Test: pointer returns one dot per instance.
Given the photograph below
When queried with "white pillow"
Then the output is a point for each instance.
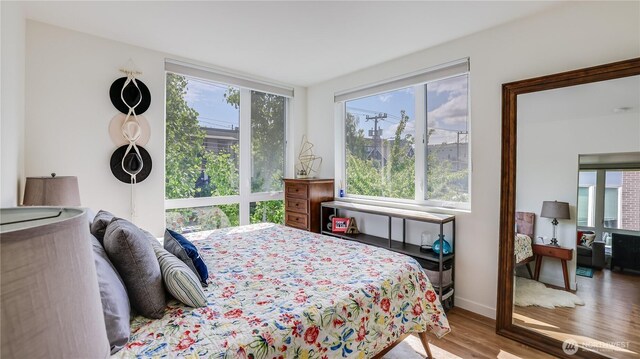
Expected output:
(180, 281)
(587, 239)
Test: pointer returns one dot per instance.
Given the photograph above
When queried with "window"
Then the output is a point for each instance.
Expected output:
(380, 145)
(622, 200)
(407, 140)
(586, 198)
(609, 201)
(225, 150)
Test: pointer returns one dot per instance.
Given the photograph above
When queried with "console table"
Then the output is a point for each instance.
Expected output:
(445, 290)
(561, 253)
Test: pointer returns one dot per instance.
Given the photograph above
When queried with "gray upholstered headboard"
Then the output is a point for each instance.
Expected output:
(525, 223)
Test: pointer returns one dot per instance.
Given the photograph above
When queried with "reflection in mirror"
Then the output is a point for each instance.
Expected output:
(578, 153)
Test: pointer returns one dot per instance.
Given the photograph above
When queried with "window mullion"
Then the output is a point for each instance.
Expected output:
(600, 188)
(245, 155)
(340, 156)
(420, 144)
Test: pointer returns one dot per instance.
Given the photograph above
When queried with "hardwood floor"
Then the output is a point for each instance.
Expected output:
(474, 336)
(611, 315)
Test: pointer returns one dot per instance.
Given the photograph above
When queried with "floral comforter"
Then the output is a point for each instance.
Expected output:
(278, 292)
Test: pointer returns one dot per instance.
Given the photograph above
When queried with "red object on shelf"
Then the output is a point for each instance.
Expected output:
(339, 225)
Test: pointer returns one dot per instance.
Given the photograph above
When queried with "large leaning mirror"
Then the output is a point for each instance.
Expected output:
(569, 281)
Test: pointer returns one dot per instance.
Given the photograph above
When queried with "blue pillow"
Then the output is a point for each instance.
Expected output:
(187, 252)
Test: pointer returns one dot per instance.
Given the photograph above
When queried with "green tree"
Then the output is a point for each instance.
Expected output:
(401, 166)
(396, 177)
(184, 141)
(268, 113)
(185, 158)
(356, 143)
(443, 183)
(267, 141)
(268, 211)
(224, 178)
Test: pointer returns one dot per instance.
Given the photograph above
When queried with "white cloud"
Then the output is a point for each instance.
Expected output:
(385, 97)
(455, 86)
(199, 91)
(390, 132)
(456, 107)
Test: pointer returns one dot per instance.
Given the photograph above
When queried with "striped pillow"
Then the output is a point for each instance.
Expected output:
(180, 281)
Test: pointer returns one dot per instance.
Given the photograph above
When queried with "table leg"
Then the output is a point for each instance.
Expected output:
(566, 275)
(538, 265)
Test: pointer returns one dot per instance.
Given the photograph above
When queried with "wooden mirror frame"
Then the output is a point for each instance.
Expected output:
(510, 92)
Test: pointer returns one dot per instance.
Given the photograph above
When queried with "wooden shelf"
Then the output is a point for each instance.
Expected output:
(411, 250)
(393, 212)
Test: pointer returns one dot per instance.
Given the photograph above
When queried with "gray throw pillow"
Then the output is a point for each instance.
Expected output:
(155, 243)
(100, 223)
(133, 256)
(115, 303)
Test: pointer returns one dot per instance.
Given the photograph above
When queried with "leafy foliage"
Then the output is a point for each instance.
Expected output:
(367, 175)
(394, 177)
(184, 140)
(187, 159)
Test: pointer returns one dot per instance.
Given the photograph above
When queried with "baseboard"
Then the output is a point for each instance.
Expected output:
(476, 307)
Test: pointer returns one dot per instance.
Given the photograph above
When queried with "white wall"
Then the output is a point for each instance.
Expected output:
(68, 110)
(571, 36)
(545, 173)
(12, 92)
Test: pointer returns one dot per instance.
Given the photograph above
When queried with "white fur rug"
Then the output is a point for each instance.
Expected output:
(532, 293)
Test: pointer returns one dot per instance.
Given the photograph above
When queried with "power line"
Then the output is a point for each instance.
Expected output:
(363, 111)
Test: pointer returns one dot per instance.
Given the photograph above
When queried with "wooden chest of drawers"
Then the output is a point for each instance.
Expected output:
(302, 198)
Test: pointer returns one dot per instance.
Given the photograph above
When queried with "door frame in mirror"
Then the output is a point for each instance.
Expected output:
(510, 92)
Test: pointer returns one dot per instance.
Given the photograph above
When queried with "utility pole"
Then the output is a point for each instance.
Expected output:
(377, 133)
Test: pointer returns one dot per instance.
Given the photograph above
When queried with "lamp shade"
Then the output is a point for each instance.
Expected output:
(51, 191)
(555, 209)
(50, 298)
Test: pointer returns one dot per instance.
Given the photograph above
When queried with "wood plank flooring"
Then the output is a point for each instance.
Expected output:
(611, 314)
(474, 336)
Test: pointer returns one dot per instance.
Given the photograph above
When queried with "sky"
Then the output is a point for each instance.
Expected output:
(447, 104)
(208, 100)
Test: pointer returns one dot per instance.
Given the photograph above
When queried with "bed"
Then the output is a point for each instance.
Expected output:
(523, 250)
(279, 292)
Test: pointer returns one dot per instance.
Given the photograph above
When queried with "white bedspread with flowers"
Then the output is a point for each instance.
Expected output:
(278, 292)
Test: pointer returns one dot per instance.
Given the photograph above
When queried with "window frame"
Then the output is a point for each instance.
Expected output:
(599, 189)
(420, 92)
(245, 196)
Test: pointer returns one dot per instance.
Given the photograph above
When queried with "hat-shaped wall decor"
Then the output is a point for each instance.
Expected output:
(129, 130)
(127, 162)
(117, 127)
(130, 163)
(129, 92)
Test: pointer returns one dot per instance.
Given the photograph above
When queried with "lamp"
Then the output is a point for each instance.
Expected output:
(51, 191)
(556, 210)
(49, 295)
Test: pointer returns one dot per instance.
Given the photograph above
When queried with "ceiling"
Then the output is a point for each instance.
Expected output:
(294, 42)
(593, 100)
